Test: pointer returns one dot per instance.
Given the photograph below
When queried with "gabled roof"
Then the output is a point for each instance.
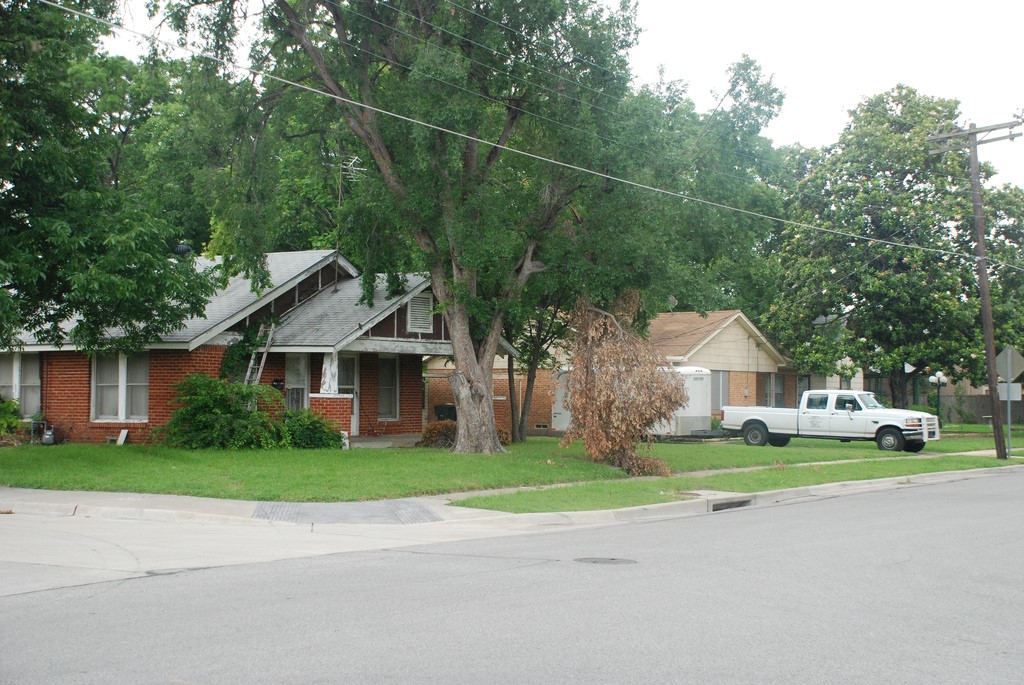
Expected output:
(680, 335)
(234, 302)
(237, 300)
(333, 318)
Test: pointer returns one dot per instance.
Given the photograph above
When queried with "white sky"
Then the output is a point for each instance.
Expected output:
(827, 56)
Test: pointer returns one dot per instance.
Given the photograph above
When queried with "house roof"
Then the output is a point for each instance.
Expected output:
(333, 318)
(679, 335)
(237, 300)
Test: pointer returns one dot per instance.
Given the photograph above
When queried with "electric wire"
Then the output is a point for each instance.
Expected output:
(565, 165)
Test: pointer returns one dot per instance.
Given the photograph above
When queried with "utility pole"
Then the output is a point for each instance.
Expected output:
(981, 261)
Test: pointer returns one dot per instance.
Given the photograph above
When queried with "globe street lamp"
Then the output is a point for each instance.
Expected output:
(938, 379)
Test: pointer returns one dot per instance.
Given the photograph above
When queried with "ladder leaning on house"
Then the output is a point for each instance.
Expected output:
(254, 372)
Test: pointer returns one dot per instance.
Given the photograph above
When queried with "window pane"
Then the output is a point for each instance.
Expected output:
(138, 401)
(30, 401)
(387, 388)
(6, 376)
(106, 402)
(106, 370)
(346, 372)
(138, 369)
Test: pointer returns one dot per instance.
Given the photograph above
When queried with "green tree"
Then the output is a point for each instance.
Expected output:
(1006, 229)
(886, 281)
(542, 77)
(73, 246)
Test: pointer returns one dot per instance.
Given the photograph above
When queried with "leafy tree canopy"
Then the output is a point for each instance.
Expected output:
(73, 245)
(888, 280)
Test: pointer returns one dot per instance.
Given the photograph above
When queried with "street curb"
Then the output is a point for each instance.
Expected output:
(703, 502)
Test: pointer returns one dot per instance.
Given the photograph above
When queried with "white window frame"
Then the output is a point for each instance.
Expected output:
(395, 360)
(419, 314)
(122, 391)
(17, 368)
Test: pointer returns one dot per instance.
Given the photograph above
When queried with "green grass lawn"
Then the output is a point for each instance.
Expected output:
(636, 492)
(368, 474)
(293, 475)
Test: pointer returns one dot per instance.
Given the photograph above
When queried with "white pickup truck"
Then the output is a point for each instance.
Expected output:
(837, 415)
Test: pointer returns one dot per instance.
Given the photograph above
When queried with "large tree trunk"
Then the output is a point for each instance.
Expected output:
(473, 385)
(898, 382)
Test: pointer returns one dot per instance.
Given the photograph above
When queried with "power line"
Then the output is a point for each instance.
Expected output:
(565, 165)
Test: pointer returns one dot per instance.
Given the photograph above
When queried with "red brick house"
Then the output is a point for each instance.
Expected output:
(358, 366)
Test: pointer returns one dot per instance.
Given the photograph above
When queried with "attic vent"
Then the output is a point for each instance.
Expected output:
(421, 313)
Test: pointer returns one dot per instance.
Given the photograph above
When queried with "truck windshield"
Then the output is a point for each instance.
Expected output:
(869, 401)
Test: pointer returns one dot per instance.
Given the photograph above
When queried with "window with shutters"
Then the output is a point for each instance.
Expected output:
(421, 314)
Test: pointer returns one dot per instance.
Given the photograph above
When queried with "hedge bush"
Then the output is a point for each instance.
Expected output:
(215, 413)
(305, 430)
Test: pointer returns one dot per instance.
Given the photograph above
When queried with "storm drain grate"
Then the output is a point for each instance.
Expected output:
(604, 560)
(722, 505)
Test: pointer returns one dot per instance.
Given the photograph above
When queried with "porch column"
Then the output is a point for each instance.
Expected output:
(329, 377)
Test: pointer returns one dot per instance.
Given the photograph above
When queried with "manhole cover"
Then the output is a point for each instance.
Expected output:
(604, 560)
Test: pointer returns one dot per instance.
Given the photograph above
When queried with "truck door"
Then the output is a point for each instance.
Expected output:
(847, 418)
(814, 414)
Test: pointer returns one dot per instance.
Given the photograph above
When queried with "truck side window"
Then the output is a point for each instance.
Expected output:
(817, 401)
(846, 403)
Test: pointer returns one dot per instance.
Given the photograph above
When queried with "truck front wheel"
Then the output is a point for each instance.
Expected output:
(890, 440)
(914, 447)
(755, 433)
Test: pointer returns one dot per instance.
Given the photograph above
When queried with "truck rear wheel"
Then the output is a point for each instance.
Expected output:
(755, 433)
(778, 440)
(890, 440)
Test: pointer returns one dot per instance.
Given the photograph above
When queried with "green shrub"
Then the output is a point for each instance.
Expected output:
(921, 407)
(217, 414)
(304, 429)
(10, 416)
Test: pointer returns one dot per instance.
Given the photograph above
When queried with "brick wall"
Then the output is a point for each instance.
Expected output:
(336, 409)
(439, 391)
(410, 397)
(742, 388)
(67, 392)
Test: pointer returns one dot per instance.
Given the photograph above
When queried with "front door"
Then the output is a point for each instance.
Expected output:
(348, 384)
(847, 419)
(296, 381)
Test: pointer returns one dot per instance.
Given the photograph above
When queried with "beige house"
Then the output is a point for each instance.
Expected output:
(746, 368)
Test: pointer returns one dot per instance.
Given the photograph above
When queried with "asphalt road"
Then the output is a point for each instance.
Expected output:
(912, 585)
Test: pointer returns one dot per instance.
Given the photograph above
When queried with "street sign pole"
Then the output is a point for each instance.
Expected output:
(1013, 366)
